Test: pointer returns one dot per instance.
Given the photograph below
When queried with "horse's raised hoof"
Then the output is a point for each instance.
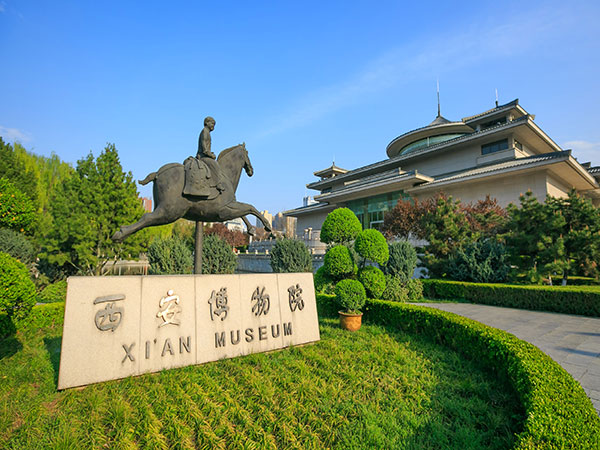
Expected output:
(251, 231)
(118, 236)
(268, 229)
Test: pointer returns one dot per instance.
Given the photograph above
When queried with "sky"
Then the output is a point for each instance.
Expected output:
(303, 84)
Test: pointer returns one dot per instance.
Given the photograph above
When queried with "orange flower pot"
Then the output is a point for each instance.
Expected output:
(350, 322)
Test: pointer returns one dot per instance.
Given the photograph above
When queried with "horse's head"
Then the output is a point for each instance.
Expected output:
(247, 164)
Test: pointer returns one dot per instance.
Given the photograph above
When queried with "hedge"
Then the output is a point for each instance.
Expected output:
(41, 316)
(558, 414)
(584, 300)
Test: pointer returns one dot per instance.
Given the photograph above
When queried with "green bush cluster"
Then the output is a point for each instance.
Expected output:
(371, 245)
(584, 300)
(17, 291)
(373, 281)
(340, 226)
(290, 255)
(17, 211)
(557, 412)
(55, 292)
(415, 289)
(217, 256)
(323, 283)
(395, 289)
(483, 261)
(170, 256)
(351, 295)
(17, 246)
(338, 263)
(402, 262)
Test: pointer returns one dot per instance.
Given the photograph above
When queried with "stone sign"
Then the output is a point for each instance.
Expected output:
(116, 327)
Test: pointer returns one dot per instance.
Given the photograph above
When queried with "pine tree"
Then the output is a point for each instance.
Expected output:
(87, 208)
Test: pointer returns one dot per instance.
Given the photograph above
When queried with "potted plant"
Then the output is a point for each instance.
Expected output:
(351, 296)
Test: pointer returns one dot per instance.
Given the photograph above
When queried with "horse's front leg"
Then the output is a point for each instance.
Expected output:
(239, 209)
(251, 230)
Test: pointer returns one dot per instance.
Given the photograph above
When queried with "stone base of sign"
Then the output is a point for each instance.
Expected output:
(116, 327)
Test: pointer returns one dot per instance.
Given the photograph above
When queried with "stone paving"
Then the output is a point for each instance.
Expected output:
(572, 341)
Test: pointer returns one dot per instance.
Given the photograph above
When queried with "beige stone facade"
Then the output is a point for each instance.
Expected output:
(500, 152)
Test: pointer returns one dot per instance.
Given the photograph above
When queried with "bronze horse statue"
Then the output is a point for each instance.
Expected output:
(171, 204)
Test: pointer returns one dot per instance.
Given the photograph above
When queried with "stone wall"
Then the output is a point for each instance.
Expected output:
(261, 263)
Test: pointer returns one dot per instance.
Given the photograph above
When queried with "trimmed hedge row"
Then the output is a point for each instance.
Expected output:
(558, 414)
(584, 300)
(41, 316)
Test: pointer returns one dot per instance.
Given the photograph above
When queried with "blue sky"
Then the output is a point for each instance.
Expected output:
(301, 83)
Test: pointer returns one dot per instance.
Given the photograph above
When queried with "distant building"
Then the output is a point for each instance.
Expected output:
(147, 204)
(285, 224)
(235, 224)
(267, 216)
(500, 152)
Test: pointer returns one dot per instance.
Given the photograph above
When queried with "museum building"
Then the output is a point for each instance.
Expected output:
(500, 152)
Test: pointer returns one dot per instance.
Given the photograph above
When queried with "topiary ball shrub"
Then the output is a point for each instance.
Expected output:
(373, 280)
(290, 255)
(371, 245)
(402, 262)
(17, 246)
(217, 256)
(415, 289)
(341, 225)
(338, 262)
(170, 256)
(17, 291)
(351, 295)
(395, 290)
(323, 283)
(55, 292)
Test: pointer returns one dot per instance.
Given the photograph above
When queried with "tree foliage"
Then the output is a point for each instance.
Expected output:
(17, 211)
(217, 256)
(403, 260)
(373, 281)
(483, 261)
(290, 255)
(17, 246)
(87, 208)
(235, 238)
(351, 295)
(372, 246)
(17, 291)
(340, 226)
(338, 263)
(170, 256)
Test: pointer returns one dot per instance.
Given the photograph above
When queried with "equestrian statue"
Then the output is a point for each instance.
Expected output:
(202, 189)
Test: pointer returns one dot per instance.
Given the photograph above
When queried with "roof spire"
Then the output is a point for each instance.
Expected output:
(496, 97)
(438, 96)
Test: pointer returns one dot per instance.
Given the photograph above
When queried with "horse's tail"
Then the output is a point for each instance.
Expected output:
(148, 179)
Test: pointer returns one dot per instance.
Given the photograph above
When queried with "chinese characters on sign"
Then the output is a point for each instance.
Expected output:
(110, 317)
(295, 298)
(218, 304)
(263, 302)
(169, 308)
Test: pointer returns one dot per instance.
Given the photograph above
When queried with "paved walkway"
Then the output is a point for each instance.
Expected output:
(572, 341)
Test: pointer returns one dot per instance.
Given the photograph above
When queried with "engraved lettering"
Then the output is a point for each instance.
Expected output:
(167, 347)
(263, 302)
(237, 339)
(187, 344)
(262, 333)
(218, 304)
(249, 334)
(110, 317)
(295, 298)
(287, 329)
(128, 353)
(273, 331)
(220, 339)
(169, 308)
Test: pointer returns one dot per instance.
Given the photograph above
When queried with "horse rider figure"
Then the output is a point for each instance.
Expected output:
(203, 176)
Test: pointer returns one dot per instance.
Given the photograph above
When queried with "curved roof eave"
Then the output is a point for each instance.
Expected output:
(394, 147)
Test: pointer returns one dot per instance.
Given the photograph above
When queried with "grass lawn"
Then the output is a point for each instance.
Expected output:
(377, 388)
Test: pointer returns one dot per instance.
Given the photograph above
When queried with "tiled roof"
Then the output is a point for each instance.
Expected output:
(500, 166)
(515, 102)
(594, 170)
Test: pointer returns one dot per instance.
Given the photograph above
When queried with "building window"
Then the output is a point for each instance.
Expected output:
(494, 147)
(370, 211)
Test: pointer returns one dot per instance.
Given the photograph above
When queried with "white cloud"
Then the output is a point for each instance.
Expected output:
(454, 50)
(13, 134)
(585, 151)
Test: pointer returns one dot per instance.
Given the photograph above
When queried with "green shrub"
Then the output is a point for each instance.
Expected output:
(55, 292)
(17, 246)
(341, 225)
(415, 289)
(584, 300)
(170, 256)
(217, 256)
(17, 211)
(395, 290)
(371, 245)
(290, 255)
(403, 261)
(351, 295)
(557, 412)
(17, 291)
(7, 327)
(373, 280)
(323, 283)
(483, 261)
(338, 262)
